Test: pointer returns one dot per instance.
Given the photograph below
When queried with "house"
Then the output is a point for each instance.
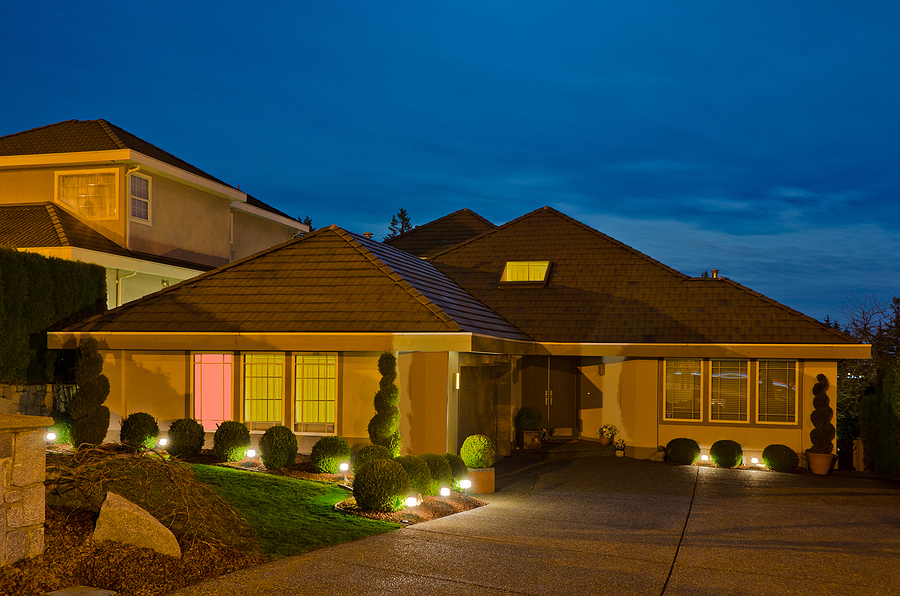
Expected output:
(541, 311)
(89, 190)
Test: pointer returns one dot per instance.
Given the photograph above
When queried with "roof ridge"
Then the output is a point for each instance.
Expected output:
(354, 241)
(106, 126)
(57, 224)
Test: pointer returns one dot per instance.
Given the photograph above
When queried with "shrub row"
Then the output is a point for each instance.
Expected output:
(728, 454)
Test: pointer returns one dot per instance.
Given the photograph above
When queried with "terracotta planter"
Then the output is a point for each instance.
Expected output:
(820, 463)
(605, 441)
(482, 480)
(531, 439)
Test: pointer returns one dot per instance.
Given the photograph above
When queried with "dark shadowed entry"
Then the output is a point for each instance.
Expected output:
(477, 402)
(549, 384)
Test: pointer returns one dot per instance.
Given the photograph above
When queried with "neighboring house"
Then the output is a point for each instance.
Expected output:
(431, 238)
(541, 311)
(89, 190)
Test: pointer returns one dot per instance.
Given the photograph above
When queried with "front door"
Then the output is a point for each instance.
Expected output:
(549, 384)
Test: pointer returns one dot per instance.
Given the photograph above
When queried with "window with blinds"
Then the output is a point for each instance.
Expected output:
(263, 390)
(728, 390)
(525, 271)
(682, 390)
(92, 194)
(315, 381)
(777, 398)
(140, 198)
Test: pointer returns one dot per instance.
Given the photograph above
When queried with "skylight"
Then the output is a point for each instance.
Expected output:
(526, 272)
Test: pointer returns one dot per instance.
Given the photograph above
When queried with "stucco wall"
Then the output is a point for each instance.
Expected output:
(423, 380)
(359, 382)
(252, 234)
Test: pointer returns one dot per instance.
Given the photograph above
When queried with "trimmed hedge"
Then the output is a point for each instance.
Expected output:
(381, 485)
(418, 472)
(186, 438)
(38, 294)
(780, 458)
(682, 451)
(369, 453)
(328, 453)
(726, 453)
(477, 451)
(440, 472)
(458, 470)
(231, 441)
(278, 447)
(528, 418)
(139, 430)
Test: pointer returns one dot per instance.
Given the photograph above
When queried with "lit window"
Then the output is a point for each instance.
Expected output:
(140, 198)
(728, 391)
(212, 389)
(263, 390)
(526, 272)
(777, 392)
(92, 194)
(315, 393)
(682, 390)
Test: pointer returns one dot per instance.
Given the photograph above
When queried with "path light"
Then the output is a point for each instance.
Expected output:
(445, 492)
(344, 467)
(251, 453)
(51, 436)
(704, 457)
(164, 442)
(411, 501)
(465, 485)
(754, 460)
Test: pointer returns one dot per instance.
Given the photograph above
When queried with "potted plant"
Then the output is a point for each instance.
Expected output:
(820, 455)
(528, 425)
(607, 433)
(477, 453)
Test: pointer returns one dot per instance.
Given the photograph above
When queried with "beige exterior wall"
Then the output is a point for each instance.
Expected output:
(424, 380)
(252, 234)
(358, 384)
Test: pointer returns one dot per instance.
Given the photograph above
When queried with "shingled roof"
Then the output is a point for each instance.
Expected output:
(328, 281)
(45, 225)
(433, 237)
(603, 291)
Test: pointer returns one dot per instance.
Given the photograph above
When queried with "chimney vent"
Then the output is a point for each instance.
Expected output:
(368, 235)
(715, 273)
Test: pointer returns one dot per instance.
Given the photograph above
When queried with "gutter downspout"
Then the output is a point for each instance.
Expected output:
(119, 285)
(128, 208)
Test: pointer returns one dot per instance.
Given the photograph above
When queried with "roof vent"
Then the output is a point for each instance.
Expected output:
(715, 273)
(368, 235)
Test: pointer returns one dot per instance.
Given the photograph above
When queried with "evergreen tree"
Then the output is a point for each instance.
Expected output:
(307, 221)
(90, 418)
(384, 428)
(400, 223)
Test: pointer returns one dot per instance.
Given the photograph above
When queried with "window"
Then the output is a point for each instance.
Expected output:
(212, 389)
(140, 198)
(728, 391)
(263, 390)
(682, 390)
(92, 194)
(526, 273)
(314, 393)
(777, 397)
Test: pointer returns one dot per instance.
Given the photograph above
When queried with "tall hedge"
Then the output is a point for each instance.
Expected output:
(39, 294)
(879, 424)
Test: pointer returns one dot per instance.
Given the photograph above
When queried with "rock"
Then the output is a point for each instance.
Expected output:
(660, 454)
(123, 521)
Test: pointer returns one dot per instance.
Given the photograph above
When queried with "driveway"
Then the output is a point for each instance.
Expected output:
(572, 524)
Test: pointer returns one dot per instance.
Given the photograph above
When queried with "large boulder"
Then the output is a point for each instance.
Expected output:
(123, 521)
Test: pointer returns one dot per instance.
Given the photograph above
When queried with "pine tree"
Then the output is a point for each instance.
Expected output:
(307, 221)
(384, 427)
(400, 223)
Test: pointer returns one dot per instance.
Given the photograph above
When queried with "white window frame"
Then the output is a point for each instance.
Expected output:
(668, 363)
(314, 428)
(148, 200)
(278, 415)
(747, 392)
(78, 209)
(759, 380)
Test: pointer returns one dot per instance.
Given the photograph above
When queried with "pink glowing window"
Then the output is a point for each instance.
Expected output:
(212, 389)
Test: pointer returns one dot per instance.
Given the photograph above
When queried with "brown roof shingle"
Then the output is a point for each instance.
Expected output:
(435, 236)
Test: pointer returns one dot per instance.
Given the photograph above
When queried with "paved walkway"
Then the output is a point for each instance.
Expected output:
(577, 523)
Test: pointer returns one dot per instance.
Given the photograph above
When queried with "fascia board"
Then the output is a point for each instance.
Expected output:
(160, 167)
(660, 350)
(74, 158)
(255, 211)
(111, 261)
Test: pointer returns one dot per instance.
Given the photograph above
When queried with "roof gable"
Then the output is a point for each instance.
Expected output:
(440, 234)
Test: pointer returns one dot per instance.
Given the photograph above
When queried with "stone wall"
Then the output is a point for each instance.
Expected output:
(23, 467)
(32, 400)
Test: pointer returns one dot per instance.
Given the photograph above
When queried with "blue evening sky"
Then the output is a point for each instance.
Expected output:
(758, 138)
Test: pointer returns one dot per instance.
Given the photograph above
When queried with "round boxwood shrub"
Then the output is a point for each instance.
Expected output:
(418, 472)
(381, 485)
(231, 441)
(440, 472)
(682, 451)
(62, 428)
(726, 453)
(458, 469)
(139, 430)
(278, 447)
(186, 437)
(528, 418)
(328, 453)
(477, 451)
(369, 453)
(780, 458)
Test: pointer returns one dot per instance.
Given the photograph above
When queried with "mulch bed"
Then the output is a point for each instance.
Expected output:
(71, 558)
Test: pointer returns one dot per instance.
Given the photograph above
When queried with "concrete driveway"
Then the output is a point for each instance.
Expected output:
(577, 523)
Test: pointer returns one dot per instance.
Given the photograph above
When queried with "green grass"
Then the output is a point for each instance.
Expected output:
(290, 516)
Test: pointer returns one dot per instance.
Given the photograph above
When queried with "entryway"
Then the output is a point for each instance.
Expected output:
(549, 384)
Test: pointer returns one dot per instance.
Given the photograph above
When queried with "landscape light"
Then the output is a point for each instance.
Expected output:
(344, 466)
(51, 436)
(411, 501)
(465, 484)
(163, 442)
(251, 453)
(445, 492)
(754, 460)
(704, 457)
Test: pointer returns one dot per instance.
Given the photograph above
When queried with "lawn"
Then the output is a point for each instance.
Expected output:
(289, 515)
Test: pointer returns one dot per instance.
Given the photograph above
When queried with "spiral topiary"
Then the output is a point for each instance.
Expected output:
(328, 453)
(139, 430)
(369, 453)
(682, 451)
(726, 453)
(528, 418)
(477, 451)
(418, 472)
(780, 458)
(278, 447)
(186, 438)
(231, 441)
(823, 433)
(384, 427)
(441, 475)
(458, 470)
(381, 485)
